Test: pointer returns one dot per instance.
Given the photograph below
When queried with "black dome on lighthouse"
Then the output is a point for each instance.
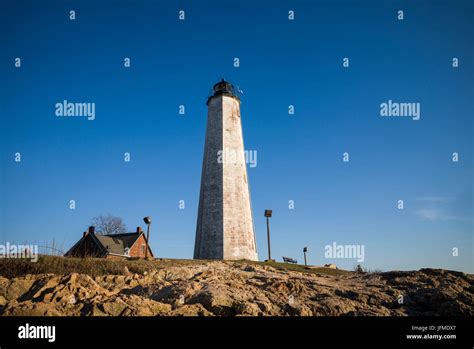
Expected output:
(223, 87)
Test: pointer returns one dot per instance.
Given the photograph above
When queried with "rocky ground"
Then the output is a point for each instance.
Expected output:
(218, 288)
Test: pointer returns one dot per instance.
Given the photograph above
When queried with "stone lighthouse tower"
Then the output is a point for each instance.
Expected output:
(225, 223)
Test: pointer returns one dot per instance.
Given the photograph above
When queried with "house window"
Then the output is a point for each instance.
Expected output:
(143, 248)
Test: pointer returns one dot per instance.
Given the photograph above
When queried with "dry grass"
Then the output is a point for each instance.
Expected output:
(91, 266)
(46, 264)
(302, 269)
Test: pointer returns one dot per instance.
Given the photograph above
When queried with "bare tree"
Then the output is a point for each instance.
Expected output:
(108, 224)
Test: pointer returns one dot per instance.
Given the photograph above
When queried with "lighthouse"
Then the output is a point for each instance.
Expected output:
(225, 223)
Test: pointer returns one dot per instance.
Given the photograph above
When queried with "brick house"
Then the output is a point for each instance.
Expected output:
(128, 245)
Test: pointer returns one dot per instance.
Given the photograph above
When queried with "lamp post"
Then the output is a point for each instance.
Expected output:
(304, 251)
(268, 214)
(147, 221)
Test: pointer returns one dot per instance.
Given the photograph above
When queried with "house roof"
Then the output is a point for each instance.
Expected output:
(117, 243)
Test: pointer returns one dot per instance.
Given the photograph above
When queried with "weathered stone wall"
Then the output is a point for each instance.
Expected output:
(209, 229)
(239, 242)
(225, 224)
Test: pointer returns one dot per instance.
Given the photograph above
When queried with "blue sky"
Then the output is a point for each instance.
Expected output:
(299, 157)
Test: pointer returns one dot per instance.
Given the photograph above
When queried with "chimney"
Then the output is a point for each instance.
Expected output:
(139, 230)
(91, 229)
(84, 234)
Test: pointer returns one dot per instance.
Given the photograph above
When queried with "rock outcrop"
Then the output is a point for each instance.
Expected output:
(221, 288)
